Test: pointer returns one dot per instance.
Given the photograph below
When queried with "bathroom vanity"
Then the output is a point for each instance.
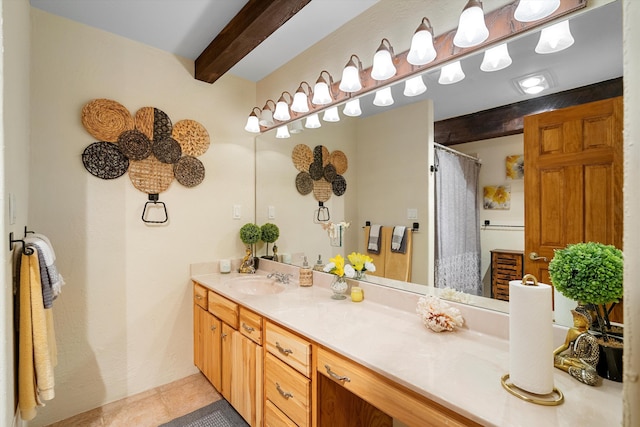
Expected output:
(295, 357)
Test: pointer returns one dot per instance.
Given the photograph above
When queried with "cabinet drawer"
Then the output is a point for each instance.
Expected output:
(251, 325)
(288, 390)
(274, 417)
(290, 348)
(405, 405)
(224, 309)
(200, 295)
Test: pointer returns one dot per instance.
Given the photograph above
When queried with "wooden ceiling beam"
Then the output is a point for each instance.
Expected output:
(256, 21)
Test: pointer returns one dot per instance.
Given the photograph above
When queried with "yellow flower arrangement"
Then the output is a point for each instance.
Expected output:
(361, 262)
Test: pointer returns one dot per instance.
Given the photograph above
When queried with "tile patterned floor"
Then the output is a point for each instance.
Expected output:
(150, 408)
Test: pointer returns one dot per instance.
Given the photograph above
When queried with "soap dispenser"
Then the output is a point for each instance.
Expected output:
(306, 274)
(319, 264)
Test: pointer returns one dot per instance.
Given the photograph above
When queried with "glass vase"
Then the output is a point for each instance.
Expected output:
(339, 287)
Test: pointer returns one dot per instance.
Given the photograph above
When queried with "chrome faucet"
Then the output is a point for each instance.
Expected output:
(280, 277)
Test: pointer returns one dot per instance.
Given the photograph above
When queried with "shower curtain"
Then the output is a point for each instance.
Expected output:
(457, 228)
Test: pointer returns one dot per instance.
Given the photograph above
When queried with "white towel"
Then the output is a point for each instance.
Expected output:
(44, 245)
(397, 237)
(374, 238)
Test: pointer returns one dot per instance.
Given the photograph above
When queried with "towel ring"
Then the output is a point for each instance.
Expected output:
(154, 200)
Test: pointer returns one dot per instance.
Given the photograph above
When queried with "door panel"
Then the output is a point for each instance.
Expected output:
(573, 180)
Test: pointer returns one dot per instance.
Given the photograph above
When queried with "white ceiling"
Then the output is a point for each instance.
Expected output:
(186, 27)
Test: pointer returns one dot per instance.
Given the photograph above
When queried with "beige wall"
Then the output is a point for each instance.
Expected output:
(124, 320)
(14, 175)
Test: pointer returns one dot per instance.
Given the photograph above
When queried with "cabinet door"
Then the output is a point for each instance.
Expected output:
(212, 349)
(198, 319)
(246, 379)
(226, 359)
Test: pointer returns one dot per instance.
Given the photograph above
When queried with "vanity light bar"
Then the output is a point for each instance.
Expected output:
(503, 25)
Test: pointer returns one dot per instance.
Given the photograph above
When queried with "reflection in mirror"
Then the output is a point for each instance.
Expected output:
(401, 137)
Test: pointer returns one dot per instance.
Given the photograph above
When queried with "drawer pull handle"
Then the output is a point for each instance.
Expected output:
(247, 328)
(283, 393)
(223, 335)
(336, 376)
(283, 350)
(213, 327)
(198, 296)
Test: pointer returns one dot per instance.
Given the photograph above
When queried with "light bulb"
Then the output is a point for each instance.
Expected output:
(383, 97)
(352, 108)
(496, 58)
(472, 29)
(414, 86)
(451, 73)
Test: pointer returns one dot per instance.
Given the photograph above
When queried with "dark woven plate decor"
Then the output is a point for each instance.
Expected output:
(189, 171)
(304, 183)
(339, 185)
(161, 125)
(134, 144)
(330, 172)
(321, 154)
(316, 170)
(105, 160)
(167, 150)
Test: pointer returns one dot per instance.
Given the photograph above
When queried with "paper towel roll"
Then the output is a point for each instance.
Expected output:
(531, 337)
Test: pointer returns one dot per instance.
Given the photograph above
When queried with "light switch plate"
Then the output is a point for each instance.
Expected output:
(271, 212)
(412, 213)
(237, 211)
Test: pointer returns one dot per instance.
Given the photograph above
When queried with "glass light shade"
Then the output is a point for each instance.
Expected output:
(383, 67)
(472, 29)
(253, 124)
(352, 108)
(496, 58)
(422, 50)
(282, 132)
(282, 111)
(300, 103)
(266, 118)
(312, 122)
(350, 78)
(533, 10)
(383, 97)
(555, 38)
(414, 86)
(296, 127)
(331, 115)
(321, 95)
(451, 73)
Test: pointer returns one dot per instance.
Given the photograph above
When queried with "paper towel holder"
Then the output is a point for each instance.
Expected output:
(554, 398)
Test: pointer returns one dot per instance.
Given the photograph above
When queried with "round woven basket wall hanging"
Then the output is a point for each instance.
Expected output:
(339, 160)
(302, 157)
(167, 150)
(304, 183)
(104, 160)
(134, 144)
(106, 119)
(192, 137)
(322, 190)
(150, 175)
(189, 171)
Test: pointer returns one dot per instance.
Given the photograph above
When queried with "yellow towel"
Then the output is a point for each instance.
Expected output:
(36, 357)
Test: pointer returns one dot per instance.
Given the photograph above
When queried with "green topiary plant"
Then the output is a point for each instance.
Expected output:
(591, 274)
(270, 233)
(250, 233)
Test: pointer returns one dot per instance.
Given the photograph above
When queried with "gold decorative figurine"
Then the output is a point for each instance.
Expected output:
(579, 354)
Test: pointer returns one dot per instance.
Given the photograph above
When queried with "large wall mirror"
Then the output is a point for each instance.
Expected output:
(390, 151)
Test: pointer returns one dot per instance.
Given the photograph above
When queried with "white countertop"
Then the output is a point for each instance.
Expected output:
(460, 370)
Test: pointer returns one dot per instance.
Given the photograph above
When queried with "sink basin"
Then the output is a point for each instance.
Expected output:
(255, 285)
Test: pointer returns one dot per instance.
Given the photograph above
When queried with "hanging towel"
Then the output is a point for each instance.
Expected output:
(44, 244)
(374, 239)
(398, 242)
(36, 356)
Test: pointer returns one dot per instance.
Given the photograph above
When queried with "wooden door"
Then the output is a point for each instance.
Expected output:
(573, 180)
(198, 318)
(212, 350)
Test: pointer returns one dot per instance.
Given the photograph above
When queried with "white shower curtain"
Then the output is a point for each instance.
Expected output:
(457, 228)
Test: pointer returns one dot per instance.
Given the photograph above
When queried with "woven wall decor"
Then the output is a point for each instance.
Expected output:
(134, 144)
(320, 171)
(192, 137)
(189, 171)
(167, 150)
(150, 175)
(106, 119)
(105, 160)
(147, 145)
